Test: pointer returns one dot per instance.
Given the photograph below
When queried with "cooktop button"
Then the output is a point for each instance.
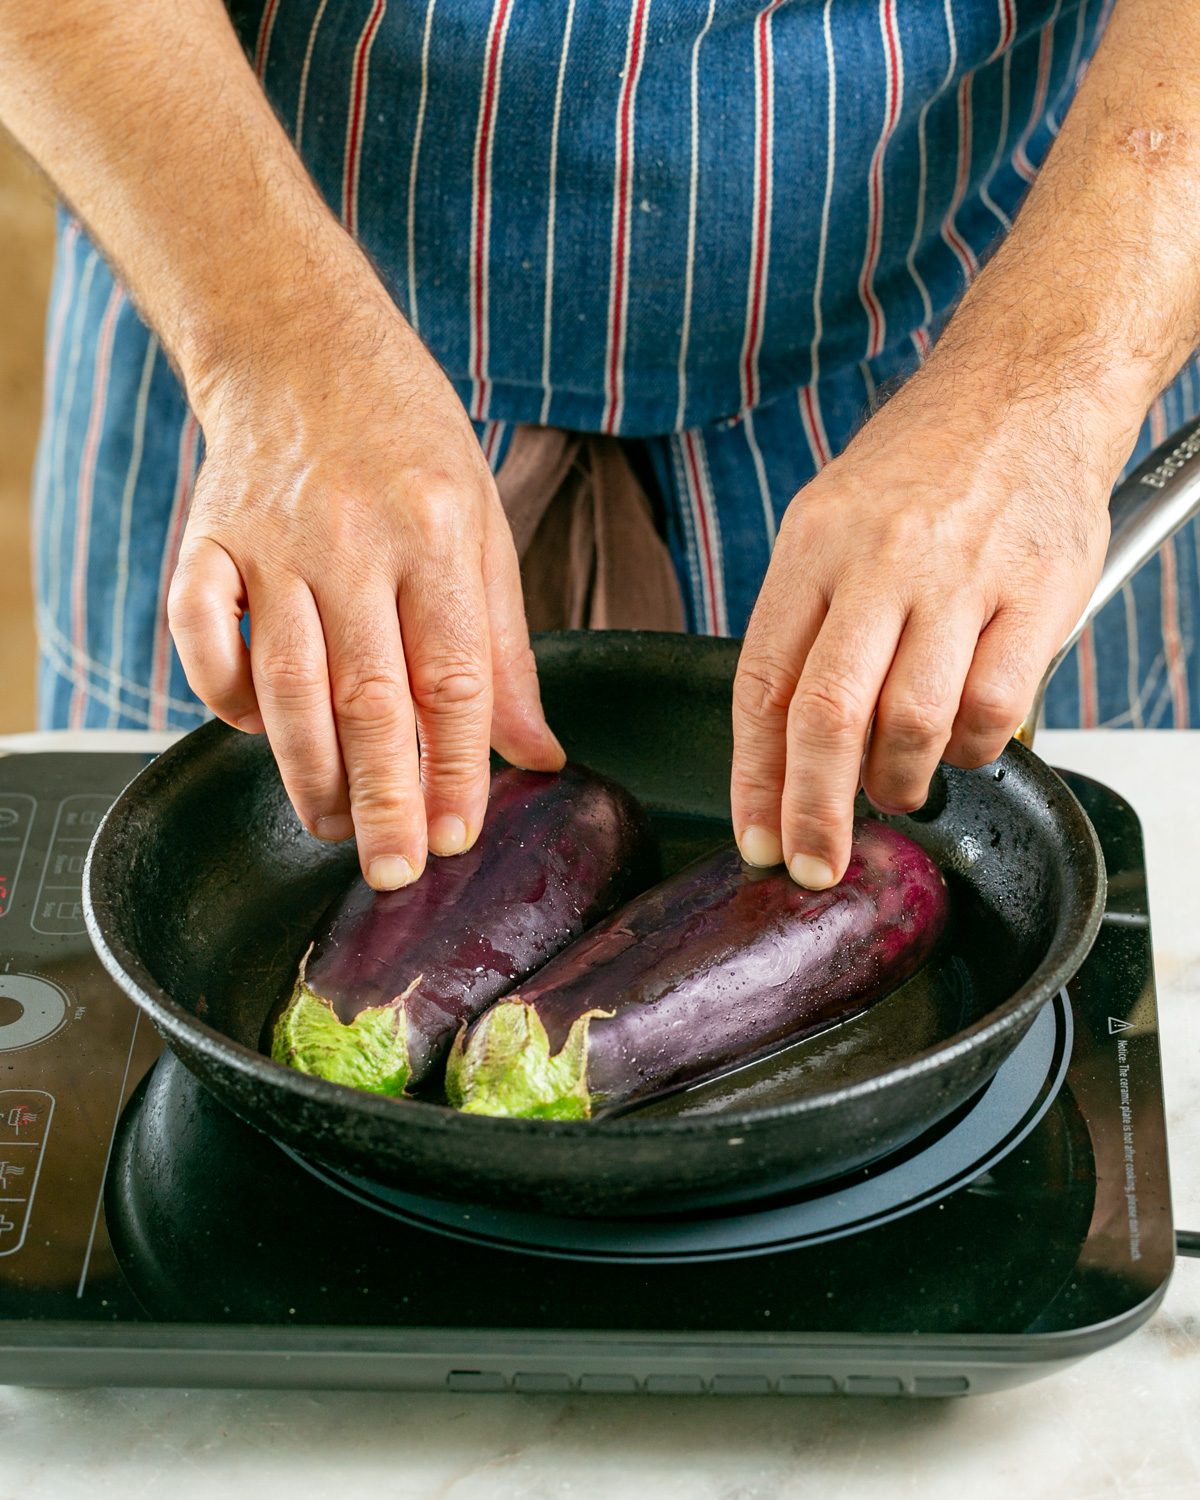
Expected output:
(31, 1009)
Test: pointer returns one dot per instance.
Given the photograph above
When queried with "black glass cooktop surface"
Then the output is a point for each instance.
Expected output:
(146, 1235)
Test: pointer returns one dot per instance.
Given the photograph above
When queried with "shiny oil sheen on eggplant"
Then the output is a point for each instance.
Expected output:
(391, 976)
(716, 966)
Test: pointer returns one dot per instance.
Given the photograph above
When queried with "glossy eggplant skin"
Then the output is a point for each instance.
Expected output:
(391, 976)
(720, 964)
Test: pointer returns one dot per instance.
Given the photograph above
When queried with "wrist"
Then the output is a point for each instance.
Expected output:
(297, 321)
(1059, 378)
(1070, 353)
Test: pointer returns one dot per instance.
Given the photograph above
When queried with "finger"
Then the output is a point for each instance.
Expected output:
(373, 715)
(205, 605)
(827, 729)
(918, 704)
(769, 667)
(1009, 660)
(291, 678)
(519, 730)
(443, 618)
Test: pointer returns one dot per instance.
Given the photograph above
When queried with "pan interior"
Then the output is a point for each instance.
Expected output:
(224, 888)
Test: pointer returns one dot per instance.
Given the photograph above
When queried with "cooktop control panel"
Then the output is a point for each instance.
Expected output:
(71, 1045)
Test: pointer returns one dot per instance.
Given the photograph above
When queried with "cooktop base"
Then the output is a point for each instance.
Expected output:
(149, 1237)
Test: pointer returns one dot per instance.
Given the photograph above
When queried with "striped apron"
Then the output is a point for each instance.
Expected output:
(712, 227)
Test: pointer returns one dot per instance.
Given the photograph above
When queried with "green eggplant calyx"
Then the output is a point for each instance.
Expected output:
(506, 1067)
(370, 1052)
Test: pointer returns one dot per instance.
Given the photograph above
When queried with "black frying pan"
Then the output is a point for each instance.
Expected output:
(202, 888)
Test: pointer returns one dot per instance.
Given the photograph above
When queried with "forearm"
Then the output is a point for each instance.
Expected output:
(1095, 294)
(148, 119)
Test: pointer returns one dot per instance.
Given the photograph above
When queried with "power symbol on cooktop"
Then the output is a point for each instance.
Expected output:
(31, 1008)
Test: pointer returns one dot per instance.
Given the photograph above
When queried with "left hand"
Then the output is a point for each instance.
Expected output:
(918, 589)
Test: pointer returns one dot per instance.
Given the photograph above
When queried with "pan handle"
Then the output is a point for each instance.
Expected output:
(1146, 509)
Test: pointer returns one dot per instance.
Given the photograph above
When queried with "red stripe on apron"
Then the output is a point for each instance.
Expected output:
(1021, 162)
(1089, 698)
(263, 45)
(482, 217)
(622, 193)
(760, 243)
(963, 252)
(866, 288)
(358, 108)
(707, 551)
(1008, 27)
(1173, 637)
(814, 426)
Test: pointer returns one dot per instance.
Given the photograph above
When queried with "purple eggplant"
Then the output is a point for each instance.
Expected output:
(716, 966)
(391, 976)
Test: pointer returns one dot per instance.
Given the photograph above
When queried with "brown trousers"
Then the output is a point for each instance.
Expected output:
(591, 555)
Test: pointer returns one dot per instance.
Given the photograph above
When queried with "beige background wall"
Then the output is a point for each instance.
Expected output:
(26, 238)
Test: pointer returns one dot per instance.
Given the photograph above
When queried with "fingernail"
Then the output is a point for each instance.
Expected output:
(252, 724)
(447, 834)
(812, 873)
(389, 872)
(335, 828)
(760, 846)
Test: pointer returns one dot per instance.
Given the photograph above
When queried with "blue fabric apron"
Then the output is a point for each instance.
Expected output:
(714, 225)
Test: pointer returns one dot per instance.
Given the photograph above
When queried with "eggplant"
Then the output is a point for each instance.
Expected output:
(719, 965)
(391, 976)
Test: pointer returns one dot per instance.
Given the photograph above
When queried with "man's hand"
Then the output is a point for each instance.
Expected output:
(917, 590)
(923, 582)
(344, 500)
(347, 505)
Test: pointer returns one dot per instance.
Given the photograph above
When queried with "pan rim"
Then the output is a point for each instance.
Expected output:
(177, 1022)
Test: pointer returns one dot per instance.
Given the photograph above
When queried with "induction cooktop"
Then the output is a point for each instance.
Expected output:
(149, 1237)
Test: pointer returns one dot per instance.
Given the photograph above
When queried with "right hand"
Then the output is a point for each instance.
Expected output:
(345, 503)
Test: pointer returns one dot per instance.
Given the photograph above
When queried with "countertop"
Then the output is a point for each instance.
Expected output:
(1125, 1422)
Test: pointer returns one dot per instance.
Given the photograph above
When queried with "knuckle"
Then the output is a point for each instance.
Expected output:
(442, 518)
(382, 803)
(449, 684)
(916, 721)
(293, 678)
(991, 708)
(832, 707)
(367, 697)
(763, 687)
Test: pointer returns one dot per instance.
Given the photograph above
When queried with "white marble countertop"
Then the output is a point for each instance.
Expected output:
(1125, 1422)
